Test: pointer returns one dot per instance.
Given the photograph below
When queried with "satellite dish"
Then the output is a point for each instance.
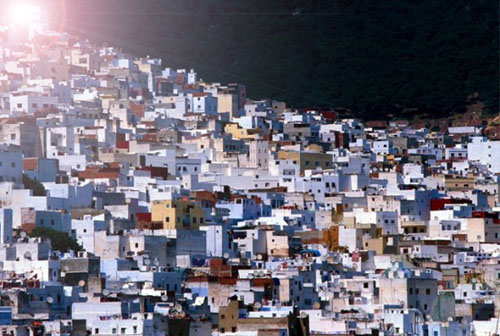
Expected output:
(164, 298)
(278, 305)
(474, 280)
(50, 299)
(250, 276)
(178, 307)
(182, 314)
(81, 283)
(303, 315)
(23, 234)
(27, 255)
(226, 255)
(157, 262)
(147, 262)
(63, 274)
(259, 256)
(258, 305)
(316, 305)
(105, 292)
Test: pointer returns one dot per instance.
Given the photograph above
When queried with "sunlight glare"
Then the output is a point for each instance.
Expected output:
(24, 13)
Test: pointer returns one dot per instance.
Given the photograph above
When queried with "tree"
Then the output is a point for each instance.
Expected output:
(59, 241)
(35, 185)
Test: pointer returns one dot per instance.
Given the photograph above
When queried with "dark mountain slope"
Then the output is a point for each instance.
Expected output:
(376, 57)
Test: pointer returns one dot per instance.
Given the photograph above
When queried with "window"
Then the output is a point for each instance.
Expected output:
(13, 136)
(428, 291)
(167, 219)
(13, 164)
(123, 330)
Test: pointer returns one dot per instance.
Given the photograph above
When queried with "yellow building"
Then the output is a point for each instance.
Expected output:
(177, 214)
(241, 133)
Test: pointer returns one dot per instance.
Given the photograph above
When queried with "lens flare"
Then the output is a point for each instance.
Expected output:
(24, 14)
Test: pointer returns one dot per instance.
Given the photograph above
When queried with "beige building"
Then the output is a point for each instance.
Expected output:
(26, 135)
(83, 59)
(227, 103)
(459, 183)
(483, 230)
(307, 160)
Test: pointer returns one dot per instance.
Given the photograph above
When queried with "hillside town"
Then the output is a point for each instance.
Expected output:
(138, 199)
